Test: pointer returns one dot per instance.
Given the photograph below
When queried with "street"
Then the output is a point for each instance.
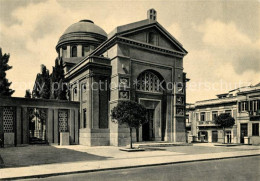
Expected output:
(244, 168)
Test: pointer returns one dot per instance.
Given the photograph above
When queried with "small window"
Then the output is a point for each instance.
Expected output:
(74, 51)
(84, 118)
(202, 116)
(255, 129)
(214, 115)
(152, 38)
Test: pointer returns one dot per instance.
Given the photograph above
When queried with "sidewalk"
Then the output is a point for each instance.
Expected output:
(131, 160)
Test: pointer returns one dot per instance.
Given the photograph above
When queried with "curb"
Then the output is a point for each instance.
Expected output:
(119, 168)
(1, 162)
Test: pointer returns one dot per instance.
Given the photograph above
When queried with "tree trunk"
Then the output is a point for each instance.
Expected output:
(131, 145)
(224, 134)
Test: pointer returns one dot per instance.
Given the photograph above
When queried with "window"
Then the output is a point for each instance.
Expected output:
(214, 115)
(83, 92)
(84, 118)
(255, 129)
(74, 51)
(75, 94)
(202, 116)
(152, 38)
(64, 52)
(149, 82)
(85, 51)
(228, 112)
(244, 106)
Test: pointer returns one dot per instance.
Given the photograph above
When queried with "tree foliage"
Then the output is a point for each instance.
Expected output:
(42, 84)
(224, 120)
(58, 84)
(130, 113)
(4, 83)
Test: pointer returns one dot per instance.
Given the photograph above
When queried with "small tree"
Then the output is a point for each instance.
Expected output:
(130, 113)
(4, 83)
(225, 120)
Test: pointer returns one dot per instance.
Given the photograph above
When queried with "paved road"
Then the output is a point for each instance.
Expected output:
(245, 168)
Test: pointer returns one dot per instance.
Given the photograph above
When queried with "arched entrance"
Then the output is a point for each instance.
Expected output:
(150, 93)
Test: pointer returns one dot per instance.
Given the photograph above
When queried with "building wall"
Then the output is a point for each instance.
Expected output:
(20, 120)
(129, 62)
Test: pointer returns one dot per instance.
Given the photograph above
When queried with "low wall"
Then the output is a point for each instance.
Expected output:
(94, 137)
(254, 140)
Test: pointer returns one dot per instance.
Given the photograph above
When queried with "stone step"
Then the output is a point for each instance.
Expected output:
(159, 144)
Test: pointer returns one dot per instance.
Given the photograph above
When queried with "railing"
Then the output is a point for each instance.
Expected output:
(205, 123)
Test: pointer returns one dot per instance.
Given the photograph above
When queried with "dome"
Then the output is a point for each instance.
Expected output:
(84, 31)
(85, 26)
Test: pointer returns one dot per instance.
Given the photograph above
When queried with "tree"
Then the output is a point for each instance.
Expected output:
(28, 94)
(4, 83)
(130, 113)
(41, 88)
(58, 84)
(224, 120)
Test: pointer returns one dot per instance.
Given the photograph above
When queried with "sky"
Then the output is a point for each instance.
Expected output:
(221, 36)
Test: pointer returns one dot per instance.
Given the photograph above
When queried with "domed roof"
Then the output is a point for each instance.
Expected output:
(85, 26)
(84, 31)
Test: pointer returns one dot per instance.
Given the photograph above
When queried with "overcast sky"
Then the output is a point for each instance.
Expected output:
(222, 37)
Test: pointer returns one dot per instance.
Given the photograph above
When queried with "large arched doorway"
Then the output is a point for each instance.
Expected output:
(150, 93)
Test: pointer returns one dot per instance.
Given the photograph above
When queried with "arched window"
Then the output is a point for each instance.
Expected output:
(149, 82)
(74, 51)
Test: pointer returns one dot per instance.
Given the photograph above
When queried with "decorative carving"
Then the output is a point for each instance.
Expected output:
(123, 81)
(180, 100)
(180, 111)
(8, 119)
(124, 94)
(63, 120)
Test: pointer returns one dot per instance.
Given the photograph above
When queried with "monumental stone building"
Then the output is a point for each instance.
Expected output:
(133, 60)
(140, 61)
(244, 106)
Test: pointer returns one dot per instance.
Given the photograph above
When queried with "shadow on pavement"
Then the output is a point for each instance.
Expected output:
(37, 155)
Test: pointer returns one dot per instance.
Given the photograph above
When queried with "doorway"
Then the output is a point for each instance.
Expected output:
(37, 125)
(228, 136)
(243, 132)
(214, 136)
(148, 127)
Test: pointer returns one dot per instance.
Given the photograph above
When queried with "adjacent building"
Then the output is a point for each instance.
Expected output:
(242, 104)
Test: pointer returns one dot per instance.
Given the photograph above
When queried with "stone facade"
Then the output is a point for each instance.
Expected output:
(139, 52)
(244, 106)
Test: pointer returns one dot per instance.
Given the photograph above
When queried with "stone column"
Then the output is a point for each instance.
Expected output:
(56, 126)
(68, 52)
(209, 136)
(25, 123)
(76, 118)
(79, 51)
(50, 126)
(18, 125)
(95, 103)
(72, 125)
